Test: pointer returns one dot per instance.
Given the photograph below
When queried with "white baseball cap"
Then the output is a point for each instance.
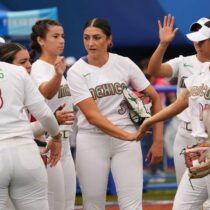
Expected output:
(200, 35)
(199, 23)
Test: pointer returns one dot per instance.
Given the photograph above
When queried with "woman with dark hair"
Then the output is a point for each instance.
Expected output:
(107, 138)
(23, 175)
(17, 54)
(47, 41)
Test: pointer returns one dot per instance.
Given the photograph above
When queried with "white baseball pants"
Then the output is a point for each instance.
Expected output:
(97, 153)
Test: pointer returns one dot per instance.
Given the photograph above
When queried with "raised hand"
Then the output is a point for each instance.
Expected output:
(60, 65)
(167, 32)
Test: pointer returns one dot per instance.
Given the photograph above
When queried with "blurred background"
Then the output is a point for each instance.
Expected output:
(134, 22)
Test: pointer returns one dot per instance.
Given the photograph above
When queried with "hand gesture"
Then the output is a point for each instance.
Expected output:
(144, 129)
(167, 31)
(155, 154)
(54, 147)
(60, 65)
(63, 116)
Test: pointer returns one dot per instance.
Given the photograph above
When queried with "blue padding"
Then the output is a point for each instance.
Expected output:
(165, 89)
(160, 186)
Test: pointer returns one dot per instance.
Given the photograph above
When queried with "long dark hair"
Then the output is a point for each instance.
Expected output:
(40, 29)
(101, 24)
(8, 51)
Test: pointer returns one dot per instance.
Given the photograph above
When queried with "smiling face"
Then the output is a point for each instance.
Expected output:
(53, 43)
(96, 42)
(22, 58)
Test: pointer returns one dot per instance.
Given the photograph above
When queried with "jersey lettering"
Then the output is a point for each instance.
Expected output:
(1, 74)
(181, 83)
(1, 100)
(202, 91)
(123, 107)
(201, 109)
(64, 91)
(108, 89)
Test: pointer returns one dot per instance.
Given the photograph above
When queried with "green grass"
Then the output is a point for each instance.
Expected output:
(159, 194)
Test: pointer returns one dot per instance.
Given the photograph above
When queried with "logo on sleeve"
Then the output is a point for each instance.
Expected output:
(187, 65)
(85, 75)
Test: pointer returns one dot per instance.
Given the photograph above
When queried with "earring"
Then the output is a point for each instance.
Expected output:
(110, 45)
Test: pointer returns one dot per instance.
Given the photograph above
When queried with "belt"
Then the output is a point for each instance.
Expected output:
(187, 126)
(65, 135)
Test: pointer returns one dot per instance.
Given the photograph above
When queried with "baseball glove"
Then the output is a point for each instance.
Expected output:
(197, 159)
(139, 105)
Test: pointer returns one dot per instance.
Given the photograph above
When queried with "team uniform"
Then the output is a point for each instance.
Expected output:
(23, 175)
(98, 152)
(186, 196)
(64, 177)
(183, 67)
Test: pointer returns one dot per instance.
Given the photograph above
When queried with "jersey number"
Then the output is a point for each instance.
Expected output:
(1, 100)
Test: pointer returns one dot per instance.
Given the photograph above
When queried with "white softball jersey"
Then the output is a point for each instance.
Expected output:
(65, 173)
(183, 67)
(105, 85)
(199, 87)
(22, 92)
(41, 72)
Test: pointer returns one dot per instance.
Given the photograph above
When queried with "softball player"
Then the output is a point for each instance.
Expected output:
(181, 67)
(197, 96)
(106, 137)
(47, 39)
(23, 175)
(17, 54)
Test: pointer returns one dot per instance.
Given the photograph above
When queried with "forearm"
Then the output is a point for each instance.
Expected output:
(51, 87)
(156, 59)
(166, 113)
(158, 127)
(94, 117)
(45, 116)
(108, 127)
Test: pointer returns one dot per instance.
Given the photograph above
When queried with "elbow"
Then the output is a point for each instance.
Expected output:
(48, 96)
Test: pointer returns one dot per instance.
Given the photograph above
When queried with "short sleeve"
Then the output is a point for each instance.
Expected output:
(175, 63)
(40, 72)
(78, 87)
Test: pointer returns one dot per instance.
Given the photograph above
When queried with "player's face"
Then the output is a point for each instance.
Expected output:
(203, 50)
(96, 42)
(22, 58)
(53, 43)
